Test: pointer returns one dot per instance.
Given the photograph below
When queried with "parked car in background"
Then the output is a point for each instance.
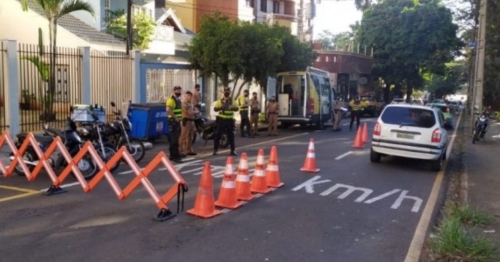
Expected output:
(438, 101)
(446, 110)
(417, 102)
(398, 101)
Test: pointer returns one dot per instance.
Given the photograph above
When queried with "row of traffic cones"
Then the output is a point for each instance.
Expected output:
(237, 188)
(361, 137)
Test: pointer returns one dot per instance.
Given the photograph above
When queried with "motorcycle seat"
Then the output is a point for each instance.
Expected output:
(44, 139)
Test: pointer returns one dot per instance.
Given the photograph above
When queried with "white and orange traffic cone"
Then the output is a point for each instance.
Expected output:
(204, 206)
(227, 193)
(310, 162)
(358, 141)
(259, 181)
(272, 170)
(243, 191)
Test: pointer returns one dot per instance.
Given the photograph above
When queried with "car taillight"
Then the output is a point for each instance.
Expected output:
(447, 109)
(377, 130)
(310, 105)
(436, 136)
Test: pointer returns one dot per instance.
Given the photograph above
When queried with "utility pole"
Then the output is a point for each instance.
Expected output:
(300, 23)
(480, 56)
(129, 27)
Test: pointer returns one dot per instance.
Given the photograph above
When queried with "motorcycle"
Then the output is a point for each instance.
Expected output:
(480, 128)
(116, 134)
(206, 129)
(72, 142)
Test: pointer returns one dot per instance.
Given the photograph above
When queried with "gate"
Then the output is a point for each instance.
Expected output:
(158, 80)
(3, 82)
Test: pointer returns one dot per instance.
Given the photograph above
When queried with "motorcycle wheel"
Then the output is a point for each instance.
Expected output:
(29, 155)
(475, 137)
(87, 165)
(135, 148)
(109, 151)
(224, 142)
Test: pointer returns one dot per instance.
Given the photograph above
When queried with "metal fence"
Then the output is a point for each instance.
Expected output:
(160, 83)
(40, 103)
(3, 71)
(112, 78)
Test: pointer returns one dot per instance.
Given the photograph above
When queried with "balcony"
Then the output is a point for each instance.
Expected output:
(163, 41)
(292, 18)
(164, 33)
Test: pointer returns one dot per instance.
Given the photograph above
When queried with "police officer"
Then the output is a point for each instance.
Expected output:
(254, 114)
(225, 121)
(272, 116)
(355, 105)
(245, 120)
(174, 111)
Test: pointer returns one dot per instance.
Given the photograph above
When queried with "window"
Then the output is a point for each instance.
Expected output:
(106, 10)
(263, 6)
(250, 3)
(276, 7)
(335, 59)
(327, 59)
(408, 116)
(151, 14)
(318, 59)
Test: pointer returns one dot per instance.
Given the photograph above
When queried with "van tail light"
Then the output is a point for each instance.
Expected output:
(436, 136)
(310, 105)
(377, 130)
(447, 110)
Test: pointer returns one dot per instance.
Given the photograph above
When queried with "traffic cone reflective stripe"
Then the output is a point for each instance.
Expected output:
(227, 193)
(272, 170)
(204, 205)
(358, 141)
(259, 181)
(310, 162)
(365, 134)
(243, 191)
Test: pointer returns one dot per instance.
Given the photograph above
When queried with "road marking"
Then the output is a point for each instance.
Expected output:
(62, 186)
(309, 184)
(161, 169)
(343, 155)
(26, 193)
(417, 242)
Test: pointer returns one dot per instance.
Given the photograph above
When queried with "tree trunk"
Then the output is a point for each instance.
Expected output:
(48, 99)
(241, 86)
(234, 86)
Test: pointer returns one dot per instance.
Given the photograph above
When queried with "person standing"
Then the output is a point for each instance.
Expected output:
(337, 110)
(254, 114)
(272, 113)
(225, 121)
(245, 120)
(196, 100)
(187, 127)
(355, 105)
(174, 112)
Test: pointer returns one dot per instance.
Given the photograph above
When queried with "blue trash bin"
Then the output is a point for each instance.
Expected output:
(149, 120)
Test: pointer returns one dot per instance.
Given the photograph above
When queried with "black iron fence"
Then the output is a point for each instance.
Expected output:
(3, 82)
(42, 102)
(112, 78)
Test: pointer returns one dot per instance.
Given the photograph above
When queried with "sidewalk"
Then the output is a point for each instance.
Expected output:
(482, 170)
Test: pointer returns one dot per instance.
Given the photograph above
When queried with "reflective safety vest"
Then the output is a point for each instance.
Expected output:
(242, 100)
(356, 106)
(226, 114)
(177, 110)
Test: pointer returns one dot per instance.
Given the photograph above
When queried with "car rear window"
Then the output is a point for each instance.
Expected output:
(443, 109)
(409, 116)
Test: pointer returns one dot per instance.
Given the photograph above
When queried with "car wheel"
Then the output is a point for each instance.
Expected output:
(374, 156)
(436, 165)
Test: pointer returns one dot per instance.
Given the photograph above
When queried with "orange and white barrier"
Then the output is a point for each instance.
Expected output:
(243, 191)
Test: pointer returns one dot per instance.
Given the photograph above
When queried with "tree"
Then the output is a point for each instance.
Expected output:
(54, 10)
(409, 39)
(492, 56)
(454, 78)
(143, 28)
(340, 41)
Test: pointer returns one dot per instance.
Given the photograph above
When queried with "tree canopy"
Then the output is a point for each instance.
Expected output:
(234, 50)
(409, 38)
(340, 41)
(143, 28)
(454, 79)
(492, 55)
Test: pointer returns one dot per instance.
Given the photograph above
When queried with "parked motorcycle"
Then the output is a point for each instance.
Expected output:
(206, 129)
(480, 128)
(72, 142)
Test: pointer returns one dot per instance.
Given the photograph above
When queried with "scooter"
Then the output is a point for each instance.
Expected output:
(480, 128)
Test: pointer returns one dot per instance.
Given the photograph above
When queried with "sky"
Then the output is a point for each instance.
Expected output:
(335, 16)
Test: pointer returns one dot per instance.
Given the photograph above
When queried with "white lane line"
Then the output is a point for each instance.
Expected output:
(227, 210)
(63, 186)
(343, 155)
(161, 169)
(418, 239)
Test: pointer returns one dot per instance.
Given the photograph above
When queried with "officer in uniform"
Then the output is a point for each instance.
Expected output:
(355, 105)
(254, 114)
(225, 121)
(245, 120)
(174, 111)
(187, 129)
(272, 116)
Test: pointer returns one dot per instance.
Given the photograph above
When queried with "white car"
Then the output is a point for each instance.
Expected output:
(411, 131)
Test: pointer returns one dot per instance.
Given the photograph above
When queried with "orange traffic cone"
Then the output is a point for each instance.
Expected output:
(272, 170)
(358, 141)
(243, 180)
(259, 182)
(204, 205)
(310, 162)
(365, 134)
(227, 193)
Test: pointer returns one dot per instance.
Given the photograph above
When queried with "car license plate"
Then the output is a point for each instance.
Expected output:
(404, 136)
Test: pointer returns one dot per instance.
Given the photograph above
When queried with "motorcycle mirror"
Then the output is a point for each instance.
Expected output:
(71, 109)
(113, 104)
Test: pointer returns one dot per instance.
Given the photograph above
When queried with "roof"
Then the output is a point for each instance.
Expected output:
(408, 105)
(80, 28)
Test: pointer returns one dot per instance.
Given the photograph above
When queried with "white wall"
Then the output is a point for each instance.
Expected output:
(245, 13)
(23, 27)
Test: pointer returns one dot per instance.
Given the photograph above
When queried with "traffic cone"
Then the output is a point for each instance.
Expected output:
(243, 180)
(272, 170)
(358, 141)
(227, 193)
(204, 206)
(259, 181)
(310, 162)
(365, 133)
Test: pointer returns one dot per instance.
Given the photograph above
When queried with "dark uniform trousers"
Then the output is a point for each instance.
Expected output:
(245, 121)
(174, 139)
(355, 114)
(224, 125)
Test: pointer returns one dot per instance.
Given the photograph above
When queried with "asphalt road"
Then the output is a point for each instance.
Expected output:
(352, 210)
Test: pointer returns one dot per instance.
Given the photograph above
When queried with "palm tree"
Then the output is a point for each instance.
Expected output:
(54, 10)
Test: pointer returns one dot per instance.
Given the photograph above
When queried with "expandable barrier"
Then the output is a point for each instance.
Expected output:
(178, 189)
